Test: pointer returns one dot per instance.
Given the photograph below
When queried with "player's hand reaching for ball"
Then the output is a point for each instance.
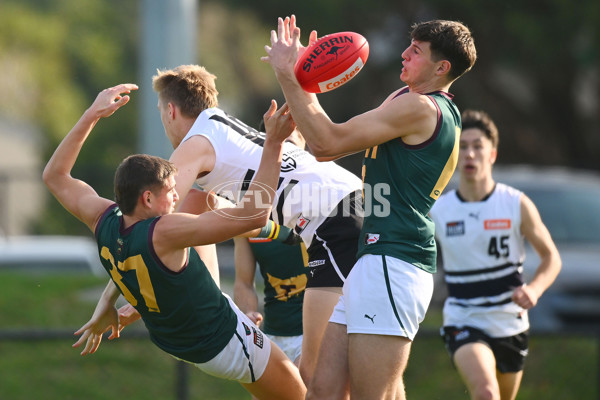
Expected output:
(279, 123)
(311, 39)
(285, 46)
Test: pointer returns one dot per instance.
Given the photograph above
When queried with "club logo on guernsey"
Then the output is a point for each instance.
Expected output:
(120, 245)
(455, 228)
(288, 163)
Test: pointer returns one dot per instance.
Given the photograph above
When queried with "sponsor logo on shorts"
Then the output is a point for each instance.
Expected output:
(258, 338)
(461, 335)
(316, 263)
(371, 238)
(524, 353)
(246, 329)
(455, 228)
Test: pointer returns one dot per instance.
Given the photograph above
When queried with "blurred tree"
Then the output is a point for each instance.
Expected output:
(56, 56)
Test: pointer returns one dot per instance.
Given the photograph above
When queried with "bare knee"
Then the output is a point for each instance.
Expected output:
(315, 391)
(486, 392)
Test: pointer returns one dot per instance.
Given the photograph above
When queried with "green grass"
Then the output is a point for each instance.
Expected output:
(124, 368)
(559, 367)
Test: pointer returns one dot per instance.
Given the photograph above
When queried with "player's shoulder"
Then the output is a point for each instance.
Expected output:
(417, 105)
(207, 116)
(507, 190)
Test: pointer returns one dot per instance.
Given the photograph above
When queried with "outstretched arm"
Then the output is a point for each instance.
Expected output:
(408, 115)
(76, 196)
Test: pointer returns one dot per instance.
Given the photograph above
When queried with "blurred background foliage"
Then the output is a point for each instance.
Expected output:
(538, 72)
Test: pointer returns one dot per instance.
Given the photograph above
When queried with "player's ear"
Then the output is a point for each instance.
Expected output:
(147, 198)
(443, 67)
(493, 155)
(171, 110)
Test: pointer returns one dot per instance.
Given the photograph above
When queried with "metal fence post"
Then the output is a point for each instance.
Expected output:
(181, 380)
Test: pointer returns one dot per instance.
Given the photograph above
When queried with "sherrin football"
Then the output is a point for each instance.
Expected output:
(331, 61)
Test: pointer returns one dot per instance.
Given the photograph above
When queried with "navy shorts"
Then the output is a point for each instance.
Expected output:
(510, 352)
(332, 253)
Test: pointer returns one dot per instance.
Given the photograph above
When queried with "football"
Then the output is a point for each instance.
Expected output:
(331, 61)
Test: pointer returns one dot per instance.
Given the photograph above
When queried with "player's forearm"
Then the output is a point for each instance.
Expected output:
(107, 299)
(546, 273)
(261, 194)
(245, 297)
(309, 116)
(62, 161)
(110, 294)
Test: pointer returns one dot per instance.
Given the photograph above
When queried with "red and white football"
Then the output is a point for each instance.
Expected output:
(331, 61)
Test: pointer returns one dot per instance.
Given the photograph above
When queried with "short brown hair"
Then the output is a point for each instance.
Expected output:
(138, 173)
(475, 119)
(449, 40)
(190, 87)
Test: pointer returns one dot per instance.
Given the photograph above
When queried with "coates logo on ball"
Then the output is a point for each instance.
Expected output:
(331, 61)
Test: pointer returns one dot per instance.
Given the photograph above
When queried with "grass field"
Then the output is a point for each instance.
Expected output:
(559, 367)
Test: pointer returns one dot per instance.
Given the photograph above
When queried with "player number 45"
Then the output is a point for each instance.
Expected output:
(498, 247)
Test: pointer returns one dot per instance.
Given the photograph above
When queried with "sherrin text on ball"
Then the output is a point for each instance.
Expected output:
(331, 61)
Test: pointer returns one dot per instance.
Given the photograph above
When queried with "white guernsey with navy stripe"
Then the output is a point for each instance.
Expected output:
(483, 253)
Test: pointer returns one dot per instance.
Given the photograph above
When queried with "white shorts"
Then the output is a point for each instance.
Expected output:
(291, 345)
(383, 295)
(245, 357)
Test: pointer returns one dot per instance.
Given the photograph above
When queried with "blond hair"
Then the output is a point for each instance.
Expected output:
(190, 87)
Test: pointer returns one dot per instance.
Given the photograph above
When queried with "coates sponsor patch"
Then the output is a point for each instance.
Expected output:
(301, 224)
(371, 238)
(490, 224)
(455, 228)
(258, 338)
